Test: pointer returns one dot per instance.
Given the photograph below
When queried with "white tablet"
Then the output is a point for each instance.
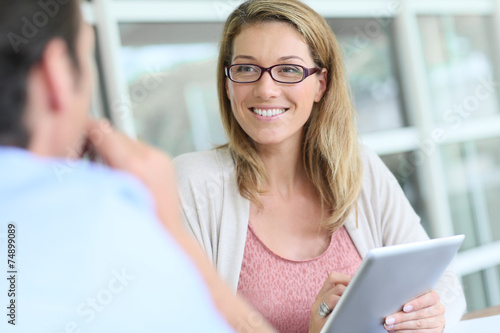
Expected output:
(387, 278)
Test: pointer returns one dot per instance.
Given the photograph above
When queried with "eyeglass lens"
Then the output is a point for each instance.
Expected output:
(251, 73)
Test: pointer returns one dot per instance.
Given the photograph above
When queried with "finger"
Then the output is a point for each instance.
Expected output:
(426, 300)
(111, 145)
(98, 137)
(432, 311)
(331, 303)
(417, 324)
(421, 302)
(331, 298)
(429, 317)
(333, 295)
(96, 127)
(332, 280)
(87, 150)
(425, 330)
(434, 324)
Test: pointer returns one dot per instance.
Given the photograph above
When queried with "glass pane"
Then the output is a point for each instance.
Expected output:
(475, 292)
(459, 195)
(367, 46)
(498, 272)
(459, 62)
(409, 182)
(473, 182)
(170, 70)
(489, 171)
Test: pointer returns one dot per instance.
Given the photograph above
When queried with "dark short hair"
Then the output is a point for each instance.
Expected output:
(26, 27)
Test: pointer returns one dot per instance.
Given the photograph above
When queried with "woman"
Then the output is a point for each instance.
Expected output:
(288, 208)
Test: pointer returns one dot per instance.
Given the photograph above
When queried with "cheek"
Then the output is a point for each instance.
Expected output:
(305, 96)
(237, 95)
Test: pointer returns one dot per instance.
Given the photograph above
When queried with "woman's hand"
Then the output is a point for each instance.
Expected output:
(330, 293)
(424, 314)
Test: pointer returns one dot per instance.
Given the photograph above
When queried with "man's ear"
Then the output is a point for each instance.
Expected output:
(323, 76)
(58, 74)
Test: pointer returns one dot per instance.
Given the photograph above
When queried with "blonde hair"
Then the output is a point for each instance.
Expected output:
(330, 150)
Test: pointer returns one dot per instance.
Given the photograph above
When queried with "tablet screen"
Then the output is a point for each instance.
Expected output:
(387, 278)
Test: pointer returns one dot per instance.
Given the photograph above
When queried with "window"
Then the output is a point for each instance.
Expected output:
(170, 70)
(368, 52)
(459, 58)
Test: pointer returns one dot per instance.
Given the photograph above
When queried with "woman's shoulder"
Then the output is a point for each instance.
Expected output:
(374, 169)
(369, 159)
(194, 160)
(200, 165)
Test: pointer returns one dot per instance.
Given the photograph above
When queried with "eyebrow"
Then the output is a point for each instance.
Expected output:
(280, 59)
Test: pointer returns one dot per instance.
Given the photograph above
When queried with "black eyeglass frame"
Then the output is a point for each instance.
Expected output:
(307, 72)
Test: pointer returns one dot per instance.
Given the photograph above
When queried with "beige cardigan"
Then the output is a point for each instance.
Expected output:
(217, 215)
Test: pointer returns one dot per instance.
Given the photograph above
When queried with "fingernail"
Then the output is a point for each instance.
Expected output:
(408, 308)
(390, 321)
(389, 327)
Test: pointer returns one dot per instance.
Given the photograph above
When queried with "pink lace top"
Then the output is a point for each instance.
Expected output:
(284, 290)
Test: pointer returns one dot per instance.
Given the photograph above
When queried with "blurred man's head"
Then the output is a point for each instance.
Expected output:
(45, 74)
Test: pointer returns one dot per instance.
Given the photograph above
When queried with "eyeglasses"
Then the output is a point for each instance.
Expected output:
(248, 73)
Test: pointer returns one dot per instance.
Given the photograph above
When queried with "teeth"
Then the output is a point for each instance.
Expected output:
(269, 112)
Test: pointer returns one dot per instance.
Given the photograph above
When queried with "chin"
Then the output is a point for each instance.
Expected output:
(268, 142)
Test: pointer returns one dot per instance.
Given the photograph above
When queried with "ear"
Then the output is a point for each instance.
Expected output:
(58, 74)
(323, 76)
(227, 89)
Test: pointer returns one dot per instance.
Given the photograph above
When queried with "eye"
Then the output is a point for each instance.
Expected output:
(245, 69)
(290, 70)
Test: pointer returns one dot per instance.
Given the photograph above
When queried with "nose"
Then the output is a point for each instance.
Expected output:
(266, 88)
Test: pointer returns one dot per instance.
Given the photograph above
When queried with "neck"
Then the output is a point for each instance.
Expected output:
(284, 165)
(40, 140)
(48, 139)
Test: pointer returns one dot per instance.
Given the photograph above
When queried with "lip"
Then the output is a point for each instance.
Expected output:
(266, 107)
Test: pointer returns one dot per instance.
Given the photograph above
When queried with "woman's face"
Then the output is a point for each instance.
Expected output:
(268, 44)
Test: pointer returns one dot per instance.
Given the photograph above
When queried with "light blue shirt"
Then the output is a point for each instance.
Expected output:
(90, 254)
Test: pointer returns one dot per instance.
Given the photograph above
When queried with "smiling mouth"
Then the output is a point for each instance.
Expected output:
(268, 112)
